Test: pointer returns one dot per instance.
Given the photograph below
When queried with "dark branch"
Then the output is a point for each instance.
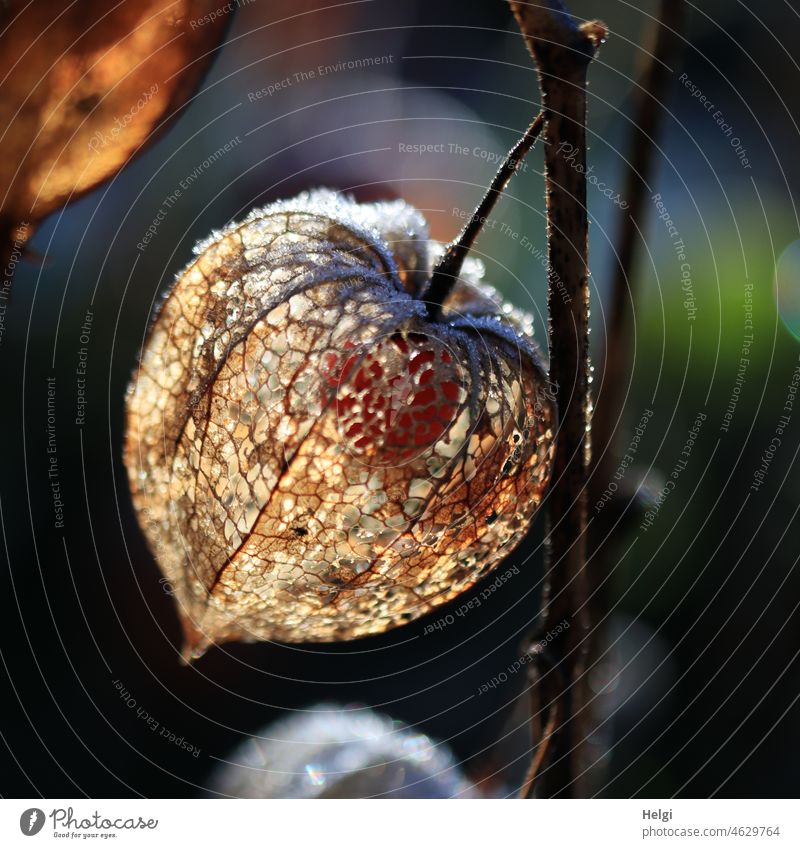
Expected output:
(563, 51)
(648, 111)
(448, 268)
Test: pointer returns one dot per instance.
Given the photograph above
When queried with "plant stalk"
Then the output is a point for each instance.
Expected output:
(448, 268)
(648, 111)
(563, 50)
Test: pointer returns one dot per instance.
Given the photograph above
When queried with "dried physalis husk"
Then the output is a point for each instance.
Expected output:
(314, 458)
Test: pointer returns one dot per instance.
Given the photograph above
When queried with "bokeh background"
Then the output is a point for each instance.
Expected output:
(700, 677)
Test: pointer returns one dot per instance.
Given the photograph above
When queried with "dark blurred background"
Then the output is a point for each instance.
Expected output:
(700, 682)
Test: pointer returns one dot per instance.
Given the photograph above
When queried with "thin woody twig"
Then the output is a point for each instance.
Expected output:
(647, 115)
(648, 111)
(563, 50)
(541, 732)
(448, 268)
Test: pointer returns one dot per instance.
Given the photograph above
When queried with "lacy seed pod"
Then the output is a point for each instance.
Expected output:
(315, 452)
(313, 457)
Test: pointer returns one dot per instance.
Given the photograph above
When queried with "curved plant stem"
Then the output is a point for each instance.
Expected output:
(648, 110)
(447, 269)
(646, 119)
(563, 50)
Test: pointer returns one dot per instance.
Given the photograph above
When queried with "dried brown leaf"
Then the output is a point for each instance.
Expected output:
(84, 85)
